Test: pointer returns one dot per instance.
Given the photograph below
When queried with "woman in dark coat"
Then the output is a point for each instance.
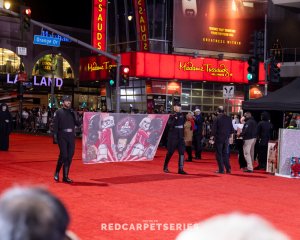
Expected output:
(5, 127)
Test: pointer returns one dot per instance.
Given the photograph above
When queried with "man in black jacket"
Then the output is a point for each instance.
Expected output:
(263, 136)
(175, 138)
(222, 130)
(249, 134)
(65, 120)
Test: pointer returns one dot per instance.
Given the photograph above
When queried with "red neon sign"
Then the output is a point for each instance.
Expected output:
(99, 8)
(142, 24)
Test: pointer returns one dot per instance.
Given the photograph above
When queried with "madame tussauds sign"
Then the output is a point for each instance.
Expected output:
(43, 82)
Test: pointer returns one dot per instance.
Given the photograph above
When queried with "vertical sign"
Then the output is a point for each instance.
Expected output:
(142, 24)
(99, 9)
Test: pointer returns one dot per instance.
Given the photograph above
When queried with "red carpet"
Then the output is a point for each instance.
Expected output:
(140, 193)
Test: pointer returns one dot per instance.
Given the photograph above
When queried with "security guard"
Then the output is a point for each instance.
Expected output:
(175, 138)
(65, 120)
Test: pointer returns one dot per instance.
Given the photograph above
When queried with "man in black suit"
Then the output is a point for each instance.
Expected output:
(65, 120)
(222, 130)
(175, 138)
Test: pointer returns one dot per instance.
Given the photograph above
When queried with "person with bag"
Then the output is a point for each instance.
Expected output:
(65, 120)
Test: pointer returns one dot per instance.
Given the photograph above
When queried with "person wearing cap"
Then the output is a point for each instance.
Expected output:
(222, 130)
(198, 133)
(65, 120)
(175, 138)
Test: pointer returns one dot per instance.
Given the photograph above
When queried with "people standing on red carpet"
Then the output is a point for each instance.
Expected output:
(65, 120)
(240, 142)
(5, 127)
(249, 134)
(222, 134)
(175, 138)
(189, 127)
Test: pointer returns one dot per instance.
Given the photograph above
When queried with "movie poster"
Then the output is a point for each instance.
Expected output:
(115, 137)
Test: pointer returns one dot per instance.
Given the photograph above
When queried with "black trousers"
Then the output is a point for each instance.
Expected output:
(222, 155)
(175, 143)
(262, 155)
(198, 145)
(239, 145)
(66, 143)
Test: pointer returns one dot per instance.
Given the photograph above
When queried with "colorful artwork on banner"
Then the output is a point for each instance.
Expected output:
(295, 167)
(115, 137)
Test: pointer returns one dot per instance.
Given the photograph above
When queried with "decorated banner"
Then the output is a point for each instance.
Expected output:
(118, 137)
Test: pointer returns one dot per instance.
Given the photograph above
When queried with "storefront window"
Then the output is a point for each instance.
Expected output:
(53, 65)
(9, 61)
(133, 97)
(197, 93)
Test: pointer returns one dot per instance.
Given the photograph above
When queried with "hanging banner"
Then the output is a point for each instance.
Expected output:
(99, 9)
(142, 24)
(118, 137)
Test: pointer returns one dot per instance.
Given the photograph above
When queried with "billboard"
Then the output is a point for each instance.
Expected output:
(217, 25)
(118, 137)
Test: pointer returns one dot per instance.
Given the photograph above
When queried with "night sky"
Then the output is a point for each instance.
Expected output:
(62, 12)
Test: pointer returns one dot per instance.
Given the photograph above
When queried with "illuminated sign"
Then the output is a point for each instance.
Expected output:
(169, 66)
(221, 70)
(61, 38)
(99, 9)
(220, 26)
(95, 67)
(255, 92)
(141, 24)
(46, 82)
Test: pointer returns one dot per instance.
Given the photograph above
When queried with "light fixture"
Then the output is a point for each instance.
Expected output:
(7, 5)
(130, 17)
(233, 6)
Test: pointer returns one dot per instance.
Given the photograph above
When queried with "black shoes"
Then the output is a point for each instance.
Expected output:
(189, 160)
(181, 172)
(67, 180)
(228, 171)
(248, 171)
(219, 172)
(56, 177)
(166, 170)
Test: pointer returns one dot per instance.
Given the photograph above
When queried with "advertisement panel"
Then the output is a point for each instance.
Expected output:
(99, 9)
(217, 25)
(118, 137)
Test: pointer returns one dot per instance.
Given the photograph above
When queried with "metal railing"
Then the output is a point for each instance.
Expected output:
(286, 54)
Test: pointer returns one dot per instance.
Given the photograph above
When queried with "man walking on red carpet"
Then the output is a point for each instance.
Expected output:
(175, 138)
(65, 120)
(222, 130)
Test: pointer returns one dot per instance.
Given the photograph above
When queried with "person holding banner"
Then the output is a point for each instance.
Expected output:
(175, 138)
(65, 120)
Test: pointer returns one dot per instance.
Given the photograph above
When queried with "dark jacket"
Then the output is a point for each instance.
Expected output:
(65, 119)
(175, 125)
(222, 128)
(263, 132)
(250, 129)
(198, 125)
